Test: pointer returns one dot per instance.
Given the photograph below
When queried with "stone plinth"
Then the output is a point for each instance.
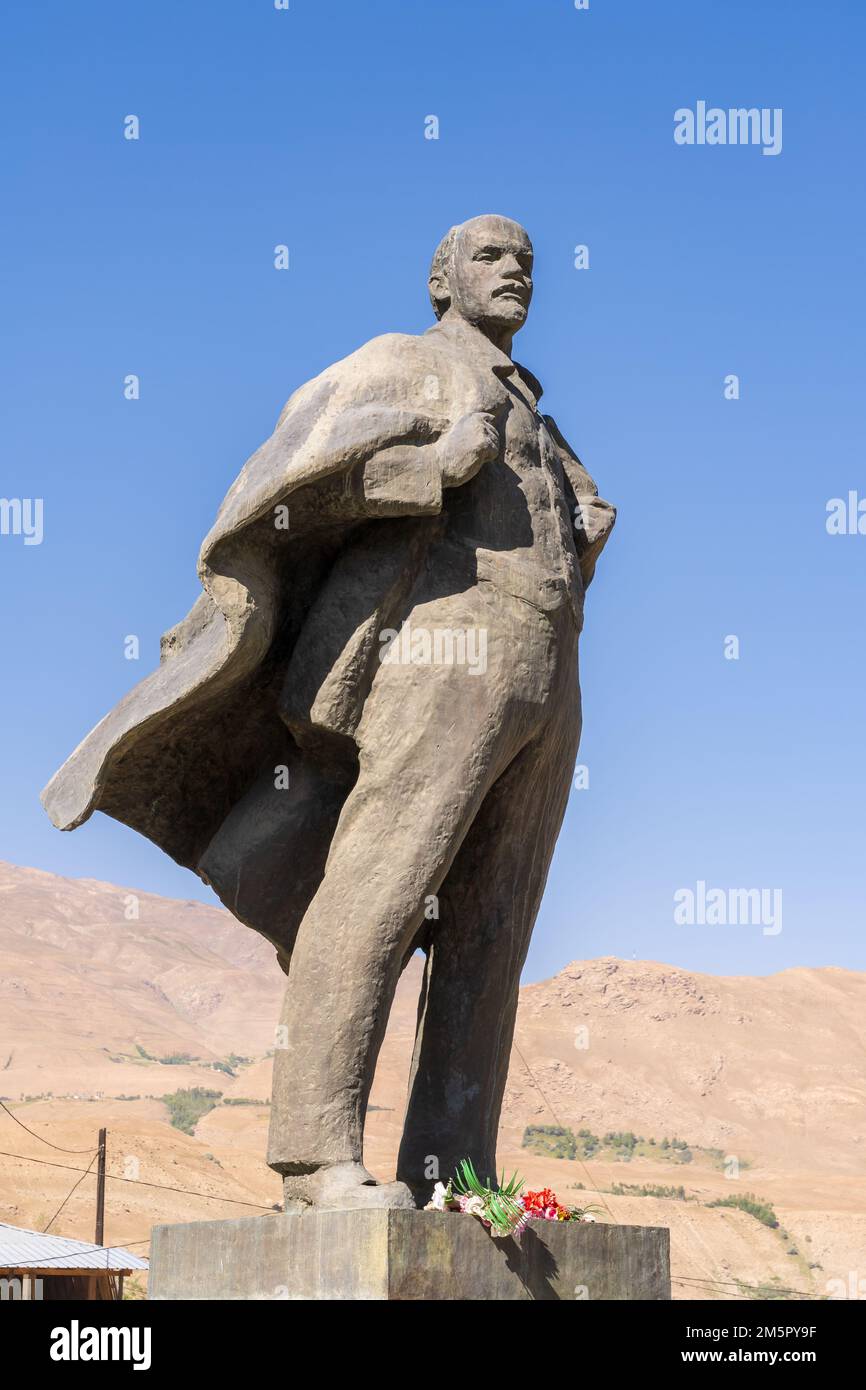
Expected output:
(402, 1255)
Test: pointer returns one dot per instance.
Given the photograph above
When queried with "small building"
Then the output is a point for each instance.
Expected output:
(37, 1266)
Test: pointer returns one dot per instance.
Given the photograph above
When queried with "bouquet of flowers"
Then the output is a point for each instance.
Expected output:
(504, 1210)
(545, 1206)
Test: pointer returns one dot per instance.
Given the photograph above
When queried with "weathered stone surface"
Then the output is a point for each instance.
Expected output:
(401, 1255)
(363, 734)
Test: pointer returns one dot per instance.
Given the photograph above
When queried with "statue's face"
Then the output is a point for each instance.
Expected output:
(490, 280)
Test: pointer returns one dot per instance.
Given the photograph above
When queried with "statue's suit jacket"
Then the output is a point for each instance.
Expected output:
(311, 550)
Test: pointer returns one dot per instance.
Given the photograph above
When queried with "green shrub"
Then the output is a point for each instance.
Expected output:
(186, 1108)
(748, 1202)
(552, 1141)
(627, 1189)
(624, 1140)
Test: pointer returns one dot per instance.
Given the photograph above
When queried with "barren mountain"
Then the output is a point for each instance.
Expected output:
(106, 993)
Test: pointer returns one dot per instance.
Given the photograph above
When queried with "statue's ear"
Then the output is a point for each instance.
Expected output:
(440, 294)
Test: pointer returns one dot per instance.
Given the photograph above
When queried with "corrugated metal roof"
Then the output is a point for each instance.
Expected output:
(20, 1249)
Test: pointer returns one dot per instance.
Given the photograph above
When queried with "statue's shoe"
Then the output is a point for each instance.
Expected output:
(345, 1186)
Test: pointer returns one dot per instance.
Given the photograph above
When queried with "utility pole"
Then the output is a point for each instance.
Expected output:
(100, 1191)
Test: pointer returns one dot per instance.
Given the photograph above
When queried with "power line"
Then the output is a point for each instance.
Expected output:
(737, 1284)
(686, 1280)
(691, 1282)
(688, 1223)
(211, 1197)
(40, 1137)
(593, 1184)
(728, 1297)
(139, 1182)
(69, 1194)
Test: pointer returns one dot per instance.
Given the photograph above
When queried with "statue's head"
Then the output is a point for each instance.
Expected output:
(482, 272)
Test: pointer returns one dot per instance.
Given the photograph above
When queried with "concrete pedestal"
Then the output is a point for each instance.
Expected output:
(405, 1255)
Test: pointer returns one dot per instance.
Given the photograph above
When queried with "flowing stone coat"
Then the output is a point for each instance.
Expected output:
(312, 549)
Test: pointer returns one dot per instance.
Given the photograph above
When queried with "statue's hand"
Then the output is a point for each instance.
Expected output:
(470, 443)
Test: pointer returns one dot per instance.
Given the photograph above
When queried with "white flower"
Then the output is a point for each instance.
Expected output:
(437, 1202)
(475, 1206)
(587, 1216)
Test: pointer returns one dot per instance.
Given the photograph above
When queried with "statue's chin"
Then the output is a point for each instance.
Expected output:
(510, 314)
(505, 320)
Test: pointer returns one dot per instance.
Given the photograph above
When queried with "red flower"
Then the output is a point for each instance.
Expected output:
(544, 1205)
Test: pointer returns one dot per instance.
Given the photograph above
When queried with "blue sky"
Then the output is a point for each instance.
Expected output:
(306, 127)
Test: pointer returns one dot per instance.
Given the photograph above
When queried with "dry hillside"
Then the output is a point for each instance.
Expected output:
(111, 999)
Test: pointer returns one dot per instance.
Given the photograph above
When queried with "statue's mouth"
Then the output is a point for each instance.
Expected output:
(515, 292)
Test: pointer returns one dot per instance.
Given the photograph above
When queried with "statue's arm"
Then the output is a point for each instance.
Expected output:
(593, 517)
(411, 478)
(363, 439)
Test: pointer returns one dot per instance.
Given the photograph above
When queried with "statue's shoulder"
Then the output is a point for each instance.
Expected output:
(388, 350)
(388, 364)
